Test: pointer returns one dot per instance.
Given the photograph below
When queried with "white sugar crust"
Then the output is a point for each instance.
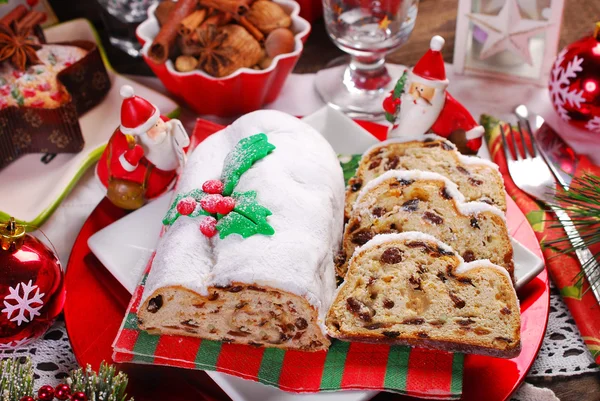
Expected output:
(466, 208)
(300, 182)
(463, 267)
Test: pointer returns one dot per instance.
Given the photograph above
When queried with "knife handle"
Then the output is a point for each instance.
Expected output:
(589, 265)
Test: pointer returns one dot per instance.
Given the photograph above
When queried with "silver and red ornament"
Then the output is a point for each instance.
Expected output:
(575, 83)
(32, 291)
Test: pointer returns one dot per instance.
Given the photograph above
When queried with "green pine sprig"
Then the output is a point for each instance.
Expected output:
(582, 203)
(16, 379)
(106, 385)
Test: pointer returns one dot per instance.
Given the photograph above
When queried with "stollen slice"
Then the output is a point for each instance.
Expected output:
(413, 200)
(412, 289)
(477, 179)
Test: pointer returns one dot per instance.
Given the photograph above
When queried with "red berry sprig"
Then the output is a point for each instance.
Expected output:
(186, 206)
(62, 392)
(213, 187)
(390, 105)
(208, 226)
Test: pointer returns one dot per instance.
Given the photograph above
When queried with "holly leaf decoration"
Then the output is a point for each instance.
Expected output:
(247, 151)
(349, 165)
(246, 219)
(172, 214)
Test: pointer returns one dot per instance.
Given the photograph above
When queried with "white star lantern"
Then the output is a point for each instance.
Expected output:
(508, 31)
(525, 30)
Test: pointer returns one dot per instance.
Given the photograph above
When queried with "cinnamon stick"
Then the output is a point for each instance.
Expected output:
(212, 20)
(31, 19)
(191, 22)
(253, 30)
(14, 15)
(236, 7)
(165, 39)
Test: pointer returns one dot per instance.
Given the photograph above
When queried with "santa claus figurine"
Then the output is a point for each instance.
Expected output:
(420, 104)
(142, 158)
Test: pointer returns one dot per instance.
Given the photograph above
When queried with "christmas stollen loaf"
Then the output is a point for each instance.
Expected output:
(269, 289)
(412, 289)
(477, 179)
(413, 200)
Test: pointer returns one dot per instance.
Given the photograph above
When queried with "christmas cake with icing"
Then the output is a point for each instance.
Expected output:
(412, 289)
(248, 256)
(413, 200)
(477, 179)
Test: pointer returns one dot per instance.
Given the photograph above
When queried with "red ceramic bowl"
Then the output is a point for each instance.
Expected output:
(243, 91)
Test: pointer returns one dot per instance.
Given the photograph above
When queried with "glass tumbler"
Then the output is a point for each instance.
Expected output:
(367, 31)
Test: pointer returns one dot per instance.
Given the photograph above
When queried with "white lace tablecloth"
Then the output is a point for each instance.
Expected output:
(563, 353)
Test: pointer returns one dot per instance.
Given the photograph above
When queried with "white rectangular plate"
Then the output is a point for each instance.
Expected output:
(125, 247)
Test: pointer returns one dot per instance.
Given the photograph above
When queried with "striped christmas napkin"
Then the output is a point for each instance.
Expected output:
(345, 366)
(563, 268)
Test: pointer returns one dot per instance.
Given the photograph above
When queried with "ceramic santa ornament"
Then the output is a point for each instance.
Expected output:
(420, 104)
(142, 158)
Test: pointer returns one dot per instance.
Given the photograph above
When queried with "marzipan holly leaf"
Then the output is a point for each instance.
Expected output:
(247, 151)
(246, 219)
(172, 214)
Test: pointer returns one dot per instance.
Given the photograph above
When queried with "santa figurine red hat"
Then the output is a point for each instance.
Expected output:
(425, 106)
(142, 158)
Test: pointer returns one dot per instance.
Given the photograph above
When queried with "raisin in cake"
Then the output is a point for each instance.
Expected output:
(413, 200)
(412, 289)
(264, 290)
(477, 179)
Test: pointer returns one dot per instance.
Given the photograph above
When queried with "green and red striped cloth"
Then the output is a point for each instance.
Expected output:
(345, 366)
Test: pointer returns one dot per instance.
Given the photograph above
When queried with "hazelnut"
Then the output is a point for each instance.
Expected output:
(279, 41)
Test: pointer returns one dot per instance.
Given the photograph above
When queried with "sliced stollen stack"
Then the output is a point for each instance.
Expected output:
(412, 289)
(477, 179)
(263, 290)
(413, 200)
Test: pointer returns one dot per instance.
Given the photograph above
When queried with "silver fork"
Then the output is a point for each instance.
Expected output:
(533, 176)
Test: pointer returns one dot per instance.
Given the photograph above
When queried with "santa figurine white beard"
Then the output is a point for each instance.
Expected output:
(418, 114)
(163, 144)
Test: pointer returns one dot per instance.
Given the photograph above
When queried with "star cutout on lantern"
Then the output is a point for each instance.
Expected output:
(384, 23)
(508, 31)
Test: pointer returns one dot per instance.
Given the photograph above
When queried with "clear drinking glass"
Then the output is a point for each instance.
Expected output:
(120, 18)
(367, 30)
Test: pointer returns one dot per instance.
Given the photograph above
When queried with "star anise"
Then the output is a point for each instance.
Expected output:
(212, 55)
(18, 46)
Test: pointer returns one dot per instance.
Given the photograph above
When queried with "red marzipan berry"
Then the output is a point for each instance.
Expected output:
(225, 205)
(27, 398)
(46, 393)
(210, 202)
(186, 206)
(62, 392)
(208, 226)
(389, 105)
(213, 187)
(79, 396)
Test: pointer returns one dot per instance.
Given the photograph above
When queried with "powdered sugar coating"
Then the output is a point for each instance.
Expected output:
(467, 208)
(300, 182)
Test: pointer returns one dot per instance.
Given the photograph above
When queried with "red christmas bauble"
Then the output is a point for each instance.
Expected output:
(32, 291)
(79, 396)
(62, 392)
(46, 393)
(575, 83)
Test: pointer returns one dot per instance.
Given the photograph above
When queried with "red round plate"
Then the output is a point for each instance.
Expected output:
(96, 303)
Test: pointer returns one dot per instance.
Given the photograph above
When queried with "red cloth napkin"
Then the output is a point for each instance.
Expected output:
(563, 268)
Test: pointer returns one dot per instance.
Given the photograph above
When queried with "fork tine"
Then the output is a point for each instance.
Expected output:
(525, 148)
(507, 154)
(534, 149)
(514, 144)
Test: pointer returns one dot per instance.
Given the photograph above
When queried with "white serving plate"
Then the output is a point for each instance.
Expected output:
(125, 247)
(41, 187)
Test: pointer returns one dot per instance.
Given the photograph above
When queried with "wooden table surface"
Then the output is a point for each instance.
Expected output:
(436, 17)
